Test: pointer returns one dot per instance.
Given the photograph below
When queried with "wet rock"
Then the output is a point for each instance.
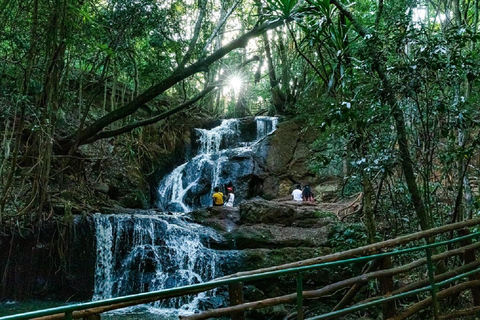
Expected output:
(271, 236)
(286, 213)
(222, 218)
(261, 211)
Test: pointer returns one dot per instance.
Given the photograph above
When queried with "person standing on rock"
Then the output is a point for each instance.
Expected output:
(307, 194)
(217, 197)
(297, 193)
(230, 197)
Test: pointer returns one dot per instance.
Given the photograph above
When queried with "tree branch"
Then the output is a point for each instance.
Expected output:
(130, 127)
(159, 88)
(220, 24)
(305, 57)
(202, 7)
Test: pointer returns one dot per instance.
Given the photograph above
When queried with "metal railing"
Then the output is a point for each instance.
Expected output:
(297, 269)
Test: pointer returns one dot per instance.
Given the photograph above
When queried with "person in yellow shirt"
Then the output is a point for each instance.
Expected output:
(217, 197)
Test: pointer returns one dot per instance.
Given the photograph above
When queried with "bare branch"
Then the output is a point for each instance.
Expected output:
(130, 127)
(157, 89)
(219, 26)
(202, 7)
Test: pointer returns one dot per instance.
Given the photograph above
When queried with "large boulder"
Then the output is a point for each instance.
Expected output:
(276, 236)
(286, 213)
(261, 211)
(283, 160)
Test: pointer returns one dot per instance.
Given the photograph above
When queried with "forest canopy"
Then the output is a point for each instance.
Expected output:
(390, 88)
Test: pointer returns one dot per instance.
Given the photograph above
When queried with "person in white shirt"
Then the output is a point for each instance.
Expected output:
(297, 193)
(230, 197)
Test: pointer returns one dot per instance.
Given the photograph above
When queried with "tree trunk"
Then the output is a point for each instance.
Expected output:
(278, 98)
(84, 135)
(397, 114)
(368, 208)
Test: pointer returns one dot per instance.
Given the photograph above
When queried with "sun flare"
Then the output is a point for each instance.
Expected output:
(235, 83)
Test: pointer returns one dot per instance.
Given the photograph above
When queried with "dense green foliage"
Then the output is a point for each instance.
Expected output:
(391, 89)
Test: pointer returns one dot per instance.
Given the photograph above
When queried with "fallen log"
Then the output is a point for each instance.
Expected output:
(474, 311)
(440, 296)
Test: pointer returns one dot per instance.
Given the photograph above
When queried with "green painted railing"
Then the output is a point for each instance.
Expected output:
(66, 312)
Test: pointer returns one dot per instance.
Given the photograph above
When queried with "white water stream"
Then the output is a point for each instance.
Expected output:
(145, 251)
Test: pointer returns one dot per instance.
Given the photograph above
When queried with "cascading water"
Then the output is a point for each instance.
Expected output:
(206, 165)
(190, 185)
(265, 126)
(144, 251)
(140, 252)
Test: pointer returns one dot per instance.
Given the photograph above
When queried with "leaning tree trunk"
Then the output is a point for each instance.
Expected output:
(278, 98)
(397, 113)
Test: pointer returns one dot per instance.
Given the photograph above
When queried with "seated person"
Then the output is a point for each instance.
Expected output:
(297, 193)
(230, 197)
(307, 194)
(217, 198)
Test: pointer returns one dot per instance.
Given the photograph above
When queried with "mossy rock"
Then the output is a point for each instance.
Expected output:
(261, 211)
(271, 236)
(134, 200)
(250, 238)
(252, 259)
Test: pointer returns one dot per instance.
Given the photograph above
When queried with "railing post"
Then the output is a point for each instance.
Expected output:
(69, 315)
(236, 297)
(431, 278)
(386, 286)
(468, 257)
(299, 296)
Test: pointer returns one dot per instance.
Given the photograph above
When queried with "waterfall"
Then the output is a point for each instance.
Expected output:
(211, 140)
(265, 126)
(190, 185)
(144, 252)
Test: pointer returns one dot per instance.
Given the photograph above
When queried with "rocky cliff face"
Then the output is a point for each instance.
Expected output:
(268, 167)
(283, 161)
